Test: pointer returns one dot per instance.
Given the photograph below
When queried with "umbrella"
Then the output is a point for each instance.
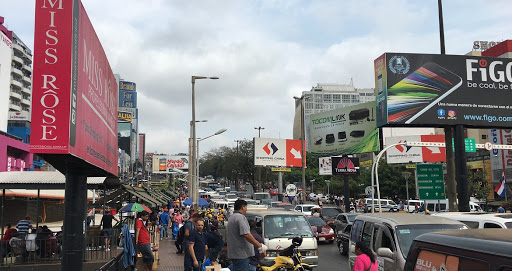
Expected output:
(135, 207)
(201, 202)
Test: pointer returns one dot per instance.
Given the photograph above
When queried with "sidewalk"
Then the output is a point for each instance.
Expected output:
(169, 260)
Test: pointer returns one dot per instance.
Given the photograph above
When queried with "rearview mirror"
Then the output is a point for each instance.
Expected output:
(385, 252)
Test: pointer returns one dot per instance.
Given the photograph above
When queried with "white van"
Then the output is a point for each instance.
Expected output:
(442, 206)
(481, 220)
(277, 228)
(387, 205)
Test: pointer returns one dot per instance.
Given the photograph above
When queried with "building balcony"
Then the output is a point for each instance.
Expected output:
(14, 107)
(26, 90)
(26, 101)
(17, 59)
(16, 96)
(17, 71)
(27, 79)
(17, 47)
(16, 83)
(27, 68)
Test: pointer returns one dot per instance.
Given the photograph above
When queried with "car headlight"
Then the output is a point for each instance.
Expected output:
(331, 231)
(308, 252)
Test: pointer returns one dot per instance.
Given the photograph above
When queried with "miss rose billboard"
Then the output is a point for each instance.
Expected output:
(75, 97)
(440, 90)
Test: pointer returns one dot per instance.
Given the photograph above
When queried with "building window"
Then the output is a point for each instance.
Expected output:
(484, 136)
(336, 98)
(355, 98)
(318, 98)
(318, 106)
(327, 98)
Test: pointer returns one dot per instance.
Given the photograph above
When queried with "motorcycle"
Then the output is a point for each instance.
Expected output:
(289, 259)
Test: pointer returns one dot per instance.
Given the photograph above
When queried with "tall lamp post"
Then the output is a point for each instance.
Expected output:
(192, 155)
(303, 138)
(312, 182)
(328, 182)
(259, 128)
(196, 178)
(406, 175)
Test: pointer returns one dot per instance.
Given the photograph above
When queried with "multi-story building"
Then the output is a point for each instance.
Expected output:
(325, 97)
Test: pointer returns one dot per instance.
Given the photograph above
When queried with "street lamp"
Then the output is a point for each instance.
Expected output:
(196, 184)
(328, 183)
(303, 138)
(192, 156)
(259, 128)
(406, 175)
(312, 182)
(191, 167)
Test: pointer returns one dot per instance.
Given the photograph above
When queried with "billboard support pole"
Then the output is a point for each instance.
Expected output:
(347, 193)
(461, 169)
(74, 221)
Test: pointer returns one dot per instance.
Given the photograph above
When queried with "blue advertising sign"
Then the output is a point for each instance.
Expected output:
(127, 98)
(125, 85)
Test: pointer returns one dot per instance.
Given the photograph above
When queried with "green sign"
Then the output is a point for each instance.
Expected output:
(430, 182)
(469, 143)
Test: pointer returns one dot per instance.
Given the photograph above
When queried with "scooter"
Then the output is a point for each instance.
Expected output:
(289, 259)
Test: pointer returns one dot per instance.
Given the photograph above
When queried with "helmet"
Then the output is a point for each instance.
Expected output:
(297, 240)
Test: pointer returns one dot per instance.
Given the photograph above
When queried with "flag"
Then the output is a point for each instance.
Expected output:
(500, 189)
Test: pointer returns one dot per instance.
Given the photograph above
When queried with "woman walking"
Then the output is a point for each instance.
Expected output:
(365, 260)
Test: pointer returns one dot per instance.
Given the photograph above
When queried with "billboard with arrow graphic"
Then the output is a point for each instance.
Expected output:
(404, 154)
(277, 152)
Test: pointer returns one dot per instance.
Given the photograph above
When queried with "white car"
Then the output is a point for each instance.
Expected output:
(305, 208)
(230, 197)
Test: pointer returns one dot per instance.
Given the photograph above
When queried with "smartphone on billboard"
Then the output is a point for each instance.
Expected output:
(162, 164)
(420, 91)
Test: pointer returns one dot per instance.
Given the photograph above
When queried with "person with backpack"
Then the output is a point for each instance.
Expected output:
(187, 228)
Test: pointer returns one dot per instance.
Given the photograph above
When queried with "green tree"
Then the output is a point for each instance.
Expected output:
(477, 185)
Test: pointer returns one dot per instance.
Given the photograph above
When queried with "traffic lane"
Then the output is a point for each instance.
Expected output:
(329, 258)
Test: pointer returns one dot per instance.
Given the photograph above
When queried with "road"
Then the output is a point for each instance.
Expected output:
(330, 258)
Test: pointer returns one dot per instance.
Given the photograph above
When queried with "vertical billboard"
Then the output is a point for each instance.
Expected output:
(165, 163)
(5, 75)
(277, 152)
(440, 90)
(324, 166)
(501, 160)
(403, 154)
(347, 130)
(74, 109)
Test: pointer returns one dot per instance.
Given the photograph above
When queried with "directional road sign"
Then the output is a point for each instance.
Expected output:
(469, 144)
(430, 182)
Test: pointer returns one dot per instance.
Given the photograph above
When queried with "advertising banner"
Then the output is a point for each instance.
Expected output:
(124, 116)
(440, 90)
(403, 154)
(501, 160)
(347, 130)
(324, 166)
(74, 109)
(125, 85)
(127, 98)
(345, 165)
(277, 152)
(165, 164)
(24, 115)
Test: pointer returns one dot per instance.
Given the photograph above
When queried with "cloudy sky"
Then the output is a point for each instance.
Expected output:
(264, 51)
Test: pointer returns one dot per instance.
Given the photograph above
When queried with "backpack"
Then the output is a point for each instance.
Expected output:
(181, 233)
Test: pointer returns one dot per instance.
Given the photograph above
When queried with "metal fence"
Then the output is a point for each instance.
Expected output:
(116, 264)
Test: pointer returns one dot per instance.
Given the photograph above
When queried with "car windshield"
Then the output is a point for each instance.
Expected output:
(351, 218)
(286, 207)
(230, 196)
(316, 221)
(407, 233)
(251, 202)
(261, 196)
(330, 211)
(307, 208)
(276, 226)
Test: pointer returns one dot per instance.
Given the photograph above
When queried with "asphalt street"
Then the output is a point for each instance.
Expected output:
(330, 259)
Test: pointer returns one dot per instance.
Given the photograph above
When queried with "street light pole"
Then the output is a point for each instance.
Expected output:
(406, 175)
(328, 183)
(312, 182)
(303, 138)
(192, 155)
(259, 130)
(197, 165)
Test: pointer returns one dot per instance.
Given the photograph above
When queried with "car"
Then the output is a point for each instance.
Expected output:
(230, 197)
(473, 249)
(274, 203)
(286, 205)
(329, 214)
(386, 205)
(390, 235)
(322, 231)
(480, 220)
(277, 228)
(342, 238)
(343, 220)
(273, 192)
(305, 208)
(262, 197)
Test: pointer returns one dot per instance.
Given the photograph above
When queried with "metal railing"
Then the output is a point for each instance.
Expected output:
(114, 264)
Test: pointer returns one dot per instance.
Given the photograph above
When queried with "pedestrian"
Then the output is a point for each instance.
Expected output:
(24, 226)
(215, 245)
(142, 241)
(9, 233)
(241, 243)
(501, 209)
(107, 232)
(365, 260)
(163, 220)
(197, 245)
(188, 227)
(254, 260)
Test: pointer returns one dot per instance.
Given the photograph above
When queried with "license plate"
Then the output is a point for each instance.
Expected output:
(321, 239)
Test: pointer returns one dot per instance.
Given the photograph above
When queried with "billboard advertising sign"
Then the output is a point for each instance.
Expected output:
(440, 90)
(403, 154)
(74, 109)
(124, 116)
(24, 115)
(125, 85)
(277, 152)
(345, 165)
(501, 160)
(346, 130)
(325, 166)
(127, 98)
(165, 164)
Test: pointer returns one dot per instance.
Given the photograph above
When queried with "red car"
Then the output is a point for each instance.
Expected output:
(273, 192)
(322, 231)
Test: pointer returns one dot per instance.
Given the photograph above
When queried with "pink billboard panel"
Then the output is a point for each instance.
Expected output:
(82, 86)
